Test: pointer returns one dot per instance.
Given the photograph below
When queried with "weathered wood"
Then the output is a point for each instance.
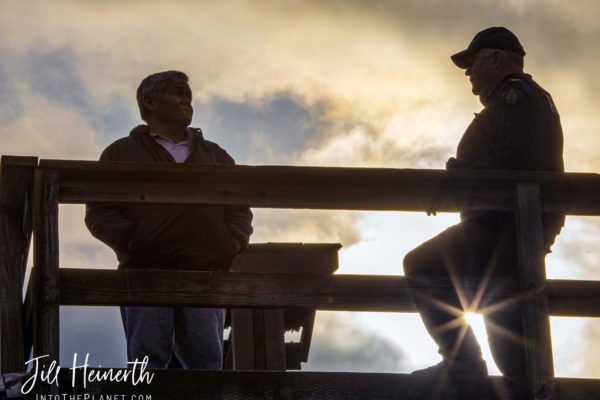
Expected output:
(536, 323)
(320, 187)
(571, 298)
(219, 289)
(258, 334)
(306, 335)
(46, 263)
(242, 340)
(268, 326)
(289, 258)
(16, 176)
(89, 287)
(274, 334)
(255, 385)
(288, 195)
(293, 356)
(28, 316)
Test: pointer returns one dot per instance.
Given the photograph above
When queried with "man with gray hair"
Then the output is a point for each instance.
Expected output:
(518, 129)
(171, 236)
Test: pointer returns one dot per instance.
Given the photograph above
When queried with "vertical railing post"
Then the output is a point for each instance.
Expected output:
(536, 322)
(45, 254)
(16, 176)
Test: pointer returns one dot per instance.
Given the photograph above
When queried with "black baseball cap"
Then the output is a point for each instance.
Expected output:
(496, 37)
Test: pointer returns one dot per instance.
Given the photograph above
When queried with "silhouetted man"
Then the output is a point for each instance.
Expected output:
(171, 236)
(518, 129)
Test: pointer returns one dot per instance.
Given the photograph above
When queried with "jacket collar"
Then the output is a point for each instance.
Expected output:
(144, 130)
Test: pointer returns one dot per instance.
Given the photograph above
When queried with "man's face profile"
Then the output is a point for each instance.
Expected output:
(481, 71)
(174, 103)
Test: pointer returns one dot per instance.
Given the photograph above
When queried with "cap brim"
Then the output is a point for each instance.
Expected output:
(462, 58)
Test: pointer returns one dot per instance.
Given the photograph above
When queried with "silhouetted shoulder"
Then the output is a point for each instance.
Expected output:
(514, 91)
(222, 154)
(212, 147)
(117, 149)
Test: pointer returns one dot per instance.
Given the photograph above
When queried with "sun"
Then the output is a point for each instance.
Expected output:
(476, 323)
(475, 320)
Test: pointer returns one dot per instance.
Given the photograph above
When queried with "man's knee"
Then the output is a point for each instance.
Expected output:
(412, 263)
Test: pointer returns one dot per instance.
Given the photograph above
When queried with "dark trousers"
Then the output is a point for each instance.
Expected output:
(194, 336)
(479, 252)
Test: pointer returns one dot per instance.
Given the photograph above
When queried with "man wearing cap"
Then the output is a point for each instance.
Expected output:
(518, 129)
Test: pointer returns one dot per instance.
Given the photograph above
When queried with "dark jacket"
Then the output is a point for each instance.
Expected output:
(518, 129)
(177, 236)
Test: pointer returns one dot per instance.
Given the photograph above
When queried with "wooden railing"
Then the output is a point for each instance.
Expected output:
(528, 194)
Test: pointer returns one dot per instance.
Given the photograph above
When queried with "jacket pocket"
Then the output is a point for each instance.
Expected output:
(215, 221)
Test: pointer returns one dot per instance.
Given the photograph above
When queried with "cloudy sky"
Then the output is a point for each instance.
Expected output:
(333, 83)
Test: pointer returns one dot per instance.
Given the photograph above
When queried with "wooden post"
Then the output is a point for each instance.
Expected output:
(45, 254)
(258, 340)
(258, 335)
(16, 175)
(275, 356)
(242, 344)
(536, 323)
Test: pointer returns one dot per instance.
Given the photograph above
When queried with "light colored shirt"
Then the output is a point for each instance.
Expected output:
(179, 151)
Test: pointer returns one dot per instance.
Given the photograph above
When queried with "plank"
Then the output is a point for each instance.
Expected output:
(338, 292)
(289, 258)
(268, 327)
(573, 298)
(98, 287)
(242, 340)
(321, 187)
(46, 263)
(16, 176)
(255, 385)
(260, 350)
(274, 335)
(532, 270)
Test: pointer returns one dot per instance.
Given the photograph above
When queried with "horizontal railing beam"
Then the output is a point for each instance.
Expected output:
(92, 287)
(320, 187)
(244, 385)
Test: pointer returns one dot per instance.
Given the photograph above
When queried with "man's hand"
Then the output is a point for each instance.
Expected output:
(238, 246)
(454, 163)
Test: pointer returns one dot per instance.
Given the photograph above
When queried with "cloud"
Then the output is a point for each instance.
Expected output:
(377, 65)
(575, 253)
(93, 330)
(77, 247)
(340, 345)
(266, 130)
(589, 353)
(306, 226)
(358, 148)
(576, 256)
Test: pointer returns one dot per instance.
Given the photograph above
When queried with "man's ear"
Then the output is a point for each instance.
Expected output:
(149, 103)
(498, 58)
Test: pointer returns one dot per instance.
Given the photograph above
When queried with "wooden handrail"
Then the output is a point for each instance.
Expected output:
(320, 187)
(97, 287)
(527, 194)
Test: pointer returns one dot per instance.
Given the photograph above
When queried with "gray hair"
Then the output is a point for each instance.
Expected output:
(155, 84)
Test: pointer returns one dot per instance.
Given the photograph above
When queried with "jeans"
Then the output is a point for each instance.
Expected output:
(193, 335)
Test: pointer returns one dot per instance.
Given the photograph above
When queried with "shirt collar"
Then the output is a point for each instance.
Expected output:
(188, 137)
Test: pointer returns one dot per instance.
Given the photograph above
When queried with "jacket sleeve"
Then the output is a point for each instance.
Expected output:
(106, 222)
(238, 218)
